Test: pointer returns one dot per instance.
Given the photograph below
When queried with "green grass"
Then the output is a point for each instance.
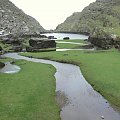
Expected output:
(73, 40)
(113, 30)
(29, 94)
(101, 69)
(68, 46)
(6, 47)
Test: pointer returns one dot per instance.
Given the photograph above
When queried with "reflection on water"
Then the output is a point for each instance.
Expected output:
(62, 99)
(9, 68)
(60, 36)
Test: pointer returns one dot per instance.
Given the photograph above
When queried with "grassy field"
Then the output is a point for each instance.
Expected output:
(73, 40)
(29, 94)
(100, 68)
(68, 46)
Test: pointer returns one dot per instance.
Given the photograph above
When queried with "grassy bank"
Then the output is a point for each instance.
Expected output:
(29, 94)
(74, 40)
(68, 46)
(101, 69)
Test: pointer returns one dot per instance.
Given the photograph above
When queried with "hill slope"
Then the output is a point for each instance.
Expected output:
(13, 20)
(104, 14)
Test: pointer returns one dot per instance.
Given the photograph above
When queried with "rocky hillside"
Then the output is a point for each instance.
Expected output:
(103, 14)
(13, 20)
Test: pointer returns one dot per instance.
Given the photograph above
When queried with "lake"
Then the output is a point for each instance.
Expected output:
(60, 36)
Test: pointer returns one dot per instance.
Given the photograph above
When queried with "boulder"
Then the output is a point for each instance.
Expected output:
(36, 44)
(42, 43)
(31, 49)
(17, 48)
(51, 37)
(104, 40)
(1, 48)
(2, 65)
(66, 38)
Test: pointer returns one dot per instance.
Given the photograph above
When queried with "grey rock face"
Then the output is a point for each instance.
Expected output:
(103, 14)
(15, 21)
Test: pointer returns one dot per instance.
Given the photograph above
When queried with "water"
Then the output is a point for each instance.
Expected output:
(10, 68)
(62, 50)
(60, 36)
(82, 102)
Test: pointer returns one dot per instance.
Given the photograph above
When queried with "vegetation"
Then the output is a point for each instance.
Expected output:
(6, 47)
(74, 40)
(103, 14)
(29, 94)
(68, 46)
(14, 20)
(100, 68)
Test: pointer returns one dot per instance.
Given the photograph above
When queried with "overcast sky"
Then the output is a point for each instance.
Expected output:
(50, 13)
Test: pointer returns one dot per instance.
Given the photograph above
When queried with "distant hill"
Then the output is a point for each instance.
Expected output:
(13, 20)
(103, 14)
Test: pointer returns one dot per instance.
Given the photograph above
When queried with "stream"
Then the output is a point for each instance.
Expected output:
(80, 101)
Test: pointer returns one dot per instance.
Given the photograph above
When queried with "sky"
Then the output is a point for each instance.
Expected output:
(50, 13)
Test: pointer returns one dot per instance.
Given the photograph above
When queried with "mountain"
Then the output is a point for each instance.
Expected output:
(103, 14)
(13, 20)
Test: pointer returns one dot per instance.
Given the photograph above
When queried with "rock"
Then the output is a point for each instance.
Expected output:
(1, 48)
(31, 49)
(102, 117)
(12, 62)
(2, 65)
(17, 48)
(14, 20)
(42, 43)
(90, 46)
(66, 38)
(37, 43)
(43, 36)
(51, 37)
(103, 40)
(18, 43)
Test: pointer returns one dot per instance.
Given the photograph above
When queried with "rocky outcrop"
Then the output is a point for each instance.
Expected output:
(15, 21)
(35, 44)
(104, 40)
(103, 14)
(18, 43)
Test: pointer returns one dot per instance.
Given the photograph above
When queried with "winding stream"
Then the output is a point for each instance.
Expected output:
(83, 102)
